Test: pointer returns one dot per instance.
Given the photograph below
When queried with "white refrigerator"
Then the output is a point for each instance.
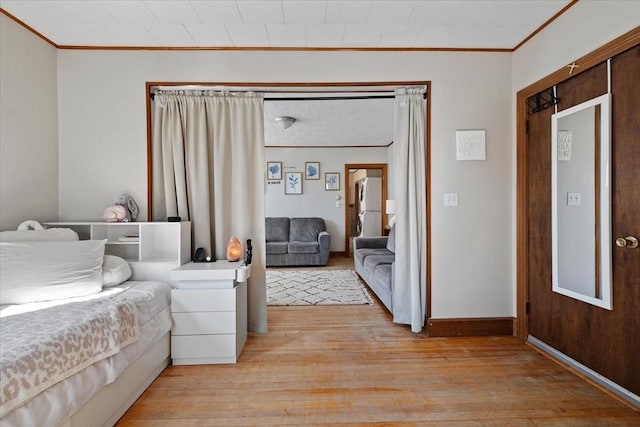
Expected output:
(370, 217)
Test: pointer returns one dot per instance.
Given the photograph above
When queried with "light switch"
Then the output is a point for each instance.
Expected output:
(574, 199)
(451, 199)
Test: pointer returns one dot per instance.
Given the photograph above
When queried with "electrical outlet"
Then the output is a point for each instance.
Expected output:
(451, 199)
(574, 199)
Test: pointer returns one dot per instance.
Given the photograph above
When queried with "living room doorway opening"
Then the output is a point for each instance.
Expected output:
(365, 201)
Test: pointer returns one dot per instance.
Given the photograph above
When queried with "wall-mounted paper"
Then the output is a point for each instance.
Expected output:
(470, 145)
(564, 145)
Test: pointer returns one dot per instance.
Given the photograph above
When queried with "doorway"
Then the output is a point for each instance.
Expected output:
(359, 219)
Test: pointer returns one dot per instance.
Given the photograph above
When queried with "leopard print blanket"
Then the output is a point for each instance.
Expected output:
(42, 348)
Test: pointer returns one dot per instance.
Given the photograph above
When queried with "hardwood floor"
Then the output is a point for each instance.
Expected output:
(336, 262)
(331, 365)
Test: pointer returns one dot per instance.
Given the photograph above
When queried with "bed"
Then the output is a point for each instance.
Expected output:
(74, 353)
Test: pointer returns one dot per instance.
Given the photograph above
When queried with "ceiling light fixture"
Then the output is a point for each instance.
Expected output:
(285, 122)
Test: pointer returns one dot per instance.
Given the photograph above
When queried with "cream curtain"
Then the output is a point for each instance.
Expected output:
(409, 163)
(208, 158)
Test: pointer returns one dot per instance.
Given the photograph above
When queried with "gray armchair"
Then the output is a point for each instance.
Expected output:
(296, 241)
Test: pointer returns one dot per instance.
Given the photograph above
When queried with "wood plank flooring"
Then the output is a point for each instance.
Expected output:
(332, 365)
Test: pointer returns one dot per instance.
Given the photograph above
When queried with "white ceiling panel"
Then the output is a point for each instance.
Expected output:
(348, 11)
(248, 35)
(362, 35)
(488, 24)
(329, 35)
(217, 12)
(128, 12)
(209, 35)
(286, 35)
(80, 13)
(305, 12)
(391, 12)
(131, 35)
(261, 11)
(400, 35)
(442, 36)
(436, 12)
(173, 11)
(170, 34)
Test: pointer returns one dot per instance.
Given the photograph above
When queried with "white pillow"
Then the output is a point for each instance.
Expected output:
(115, 270)
(62, 234)
(43, 271)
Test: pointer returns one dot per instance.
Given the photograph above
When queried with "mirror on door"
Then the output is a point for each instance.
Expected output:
(580, 204)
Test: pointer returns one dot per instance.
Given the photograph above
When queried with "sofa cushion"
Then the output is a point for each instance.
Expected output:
(372, 261)
(391, 241)
(277, 229)
(303, 247)
(277, 247)
(361, 254)
(306, 229)
(382, 273)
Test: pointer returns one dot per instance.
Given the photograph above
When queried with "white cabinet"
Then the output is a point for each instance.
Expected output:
(209, 311)
(152, 249)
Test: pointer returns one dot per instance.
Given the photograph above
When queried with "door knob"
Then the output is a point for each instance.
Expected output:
(627, 242)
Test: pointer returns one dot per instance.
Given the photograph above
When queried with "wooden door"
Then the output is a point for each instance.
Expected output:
(607, 342)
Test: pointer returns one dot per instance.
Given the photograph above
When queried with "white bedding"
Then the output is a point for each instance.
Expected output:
(55, 404)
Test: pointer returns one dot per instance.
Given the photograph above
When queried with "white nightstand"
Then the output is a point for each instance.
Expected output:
(209, 311)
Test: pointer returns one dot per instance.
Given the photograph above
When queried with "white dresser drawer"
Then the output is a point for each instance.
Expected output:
(188, 300)
(204, 322)
(203, 346)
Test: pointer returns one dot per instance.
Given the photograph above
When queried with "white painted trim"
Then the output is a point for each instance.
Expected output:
(627, 395)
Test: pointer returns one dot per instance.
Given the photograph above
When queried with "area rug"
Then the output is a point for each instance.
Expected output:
(315, 287)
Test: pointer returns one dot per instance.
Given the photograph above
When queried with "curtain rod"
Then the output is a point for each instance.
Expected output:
(329, 98)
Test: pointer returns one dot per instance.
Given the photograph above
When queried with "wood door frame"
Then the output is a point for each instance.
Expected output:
(347, 199)
(618, 45)
(340, 87)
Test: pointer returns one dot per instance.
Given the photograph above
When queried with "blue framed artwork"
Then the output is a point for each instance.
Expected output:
(332, 181)
(274, 171)
(293, 183)
(312, 170)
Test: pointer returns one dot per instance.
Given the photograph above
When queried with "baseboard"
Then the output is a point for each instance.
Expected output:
(338, 253)
(619, 391)
(471, 327)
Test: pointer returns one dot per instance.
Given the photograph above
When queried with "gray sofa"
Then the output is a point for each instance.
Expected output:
(296, 241)
(374, 259)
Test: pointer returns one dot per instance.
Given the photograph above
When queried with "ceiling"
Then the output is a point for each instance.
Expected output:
(326, 123)
(478, 24)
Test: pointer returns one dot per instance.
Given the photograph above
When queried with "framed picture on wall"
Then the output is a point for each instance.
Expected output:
(293, 183)
(312, 170)
(274, 171)
(332, 181)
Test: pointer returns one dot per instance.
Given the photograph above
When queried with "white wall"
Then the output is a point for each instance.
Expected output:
(29, 127)
(315, 201)
(103, 144)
